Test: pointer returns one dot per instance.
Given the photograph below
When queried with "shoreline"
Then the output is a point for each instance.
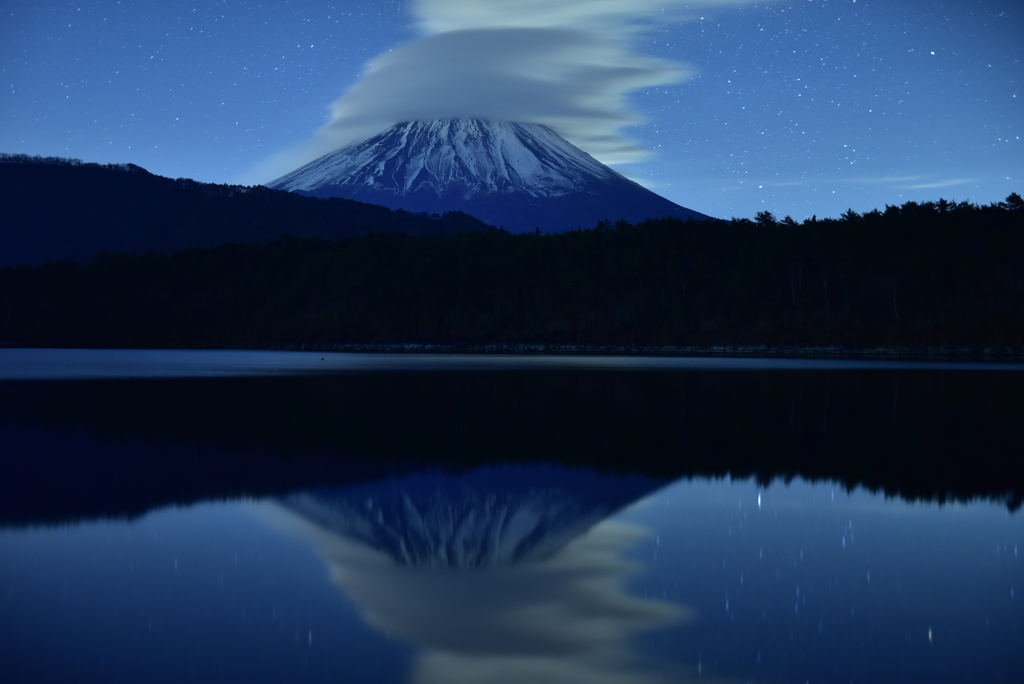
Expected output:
(988, 353)
(754, 351)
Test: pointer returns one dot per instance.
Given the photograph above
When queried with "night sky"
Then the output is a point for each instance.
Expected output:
(727, 107)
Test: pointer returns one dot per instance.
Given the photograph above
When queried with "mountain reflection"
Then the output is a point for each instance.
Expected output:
(502, 575)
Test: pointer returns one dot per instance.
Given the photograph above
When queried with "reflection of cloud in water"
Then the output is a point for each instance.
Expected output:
(562, 618)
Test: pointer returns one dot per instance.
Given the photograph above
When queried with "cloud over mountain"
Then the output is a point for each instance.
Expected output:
(568, 65)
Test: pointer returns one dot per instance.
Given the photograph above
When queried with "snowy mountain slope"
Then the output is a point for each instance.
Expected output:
(476, 155)
(519, 176)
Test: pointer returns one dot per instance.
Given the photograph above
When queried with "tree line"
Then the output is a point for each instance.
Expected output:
(919, 275)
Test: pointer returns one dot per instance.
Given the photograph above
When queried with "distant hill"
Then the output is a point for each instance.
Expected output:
(56, 209)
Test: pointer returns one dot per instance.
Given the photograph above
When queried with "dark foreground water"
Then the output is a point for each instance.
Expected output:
(177, 516)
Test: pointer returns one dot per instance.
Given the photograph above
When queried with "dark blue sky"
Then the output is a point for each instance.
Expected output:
(801, 107)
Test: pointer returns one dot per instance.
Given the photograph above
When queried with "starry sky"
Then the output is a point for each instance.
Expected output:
(728, 107)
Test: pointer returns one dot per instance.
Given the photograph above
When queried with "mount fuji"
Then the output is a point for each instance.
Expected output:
(519, 176)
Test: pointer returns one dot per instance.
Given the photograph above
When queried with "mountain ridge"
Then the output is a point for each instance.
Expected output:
(520, 176)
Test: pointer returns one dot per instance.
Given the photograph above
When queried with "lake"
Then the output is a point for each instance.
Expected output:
(278, 516)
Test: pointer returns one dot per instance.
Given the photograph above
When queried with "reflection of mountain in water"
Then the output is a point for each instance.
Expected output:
(487, 518)
(502, 575)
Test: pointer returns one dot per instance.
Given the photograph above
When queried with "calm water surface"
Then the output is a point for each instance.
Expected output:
(437, 569)
(517, 575)
(43, 364)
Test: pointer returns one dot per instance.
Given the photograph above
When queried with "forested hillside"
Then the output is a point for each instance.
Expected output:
(919, 275)
(62, 209)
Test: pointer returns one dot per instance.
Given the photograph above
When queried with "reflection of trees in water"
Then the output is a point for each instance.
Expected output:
(117, 448)
(555, 610)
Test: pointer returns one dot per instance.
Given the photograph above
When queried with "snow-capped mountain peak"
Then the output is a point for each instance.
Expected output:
(517, 175)
(477, 156)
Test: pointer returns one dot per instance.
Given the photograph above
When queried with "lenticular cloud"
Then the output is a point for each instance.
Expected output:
(566, 64)
(571, 81)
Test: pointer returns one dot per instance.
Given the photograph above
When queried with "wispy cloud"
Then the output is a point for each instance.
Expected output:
(874, 180)
(905, 182)
(786, 184)
(943, 183)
